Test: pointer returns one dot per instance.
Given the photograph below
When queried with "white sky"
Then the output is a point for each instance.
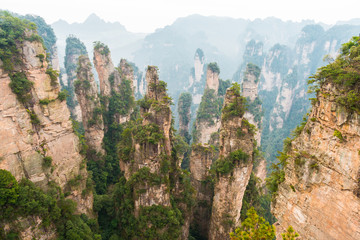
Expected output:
(147, 15)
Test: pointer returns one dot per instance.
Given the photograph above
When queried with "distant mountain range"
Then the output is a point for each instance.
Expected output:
(172, 48)
(121, 42)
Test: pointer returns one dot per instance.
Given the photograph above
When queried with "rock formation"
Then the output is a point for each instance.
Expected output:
(184, 111)
(320, 194)
(234, 166)
(104, 67)
(205, 136)
(116, 84)
(37, 141)
(150, 162)
(208, 119)
(86, 93)
(74, 49)
(197, 77)
(249, 90)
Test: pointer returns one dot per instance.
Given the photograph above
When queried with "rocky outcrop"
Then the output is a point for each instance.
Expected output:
(74, 49)
(150, 153)
(39, 127)
(116, 84)
(150, 163)
(104, 67)
(236, 151)
(184, 111)
(320, 196)
(203, 153)
(86, 92)
(197, 77)
(249, 89)
(212, 79)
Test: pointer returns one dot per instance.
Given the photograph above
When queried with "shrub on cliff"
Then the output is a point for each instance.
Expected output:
(344, 74)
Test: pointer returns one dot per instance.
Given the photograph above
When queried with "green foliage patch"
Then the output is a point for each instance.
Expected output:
(213, 66)
(25, 199)
(236, 108)
(225, 165)
(344, 74)
(104, 48)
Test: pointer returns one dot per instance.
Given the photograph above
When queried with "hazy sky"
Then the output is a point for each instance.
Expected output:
(147, 15)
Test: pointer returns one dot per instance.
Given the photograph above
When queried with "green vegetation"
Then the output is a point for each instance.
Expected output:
(47, 161)
(45, 31)
(21, 86)
(184, 105)
(225, 165)
(25, 199)
(290, 234)
(344, 74)
(12, 35)
(9, 189)
(236, 108)
(254, 70)
(63, 94)
(200, 53)
(254, 227)
(45, 101)
(256, 197)
(223, 86)
(53, 76)
(254, 107)
(277, 174)
(214, 67)
(210, 107)
(33, 118)
(250, 127)
(74, 48)
(104, 48)
(338, 134)
(121, 101)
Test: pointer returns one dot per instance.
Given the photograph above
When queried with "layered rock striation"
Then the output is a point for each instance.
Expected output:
(319, 196)
(37, 140)
(74, 49)
(116, 84)
(89, 101)
(151, 166)
(204, 153)
(234, 166)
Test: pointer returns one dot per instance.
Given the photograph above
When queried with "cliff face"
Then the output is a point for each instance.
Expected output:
(249, 90)
(196, 83)
(184, 111)
(155, 118)
(319, 196)
(104, 67)
(86, 92)
(151, 166)
(32, 130)
(115, 84)
(74, 49)
(236, 149)
(203, 154)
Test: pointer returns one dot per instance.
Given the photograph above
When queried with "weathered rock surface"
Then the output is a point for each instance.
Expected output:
(249, 90)
(230, 187)
(74, 49)
(23, 145)
(111, 80)
(320, 194)
(86, 92)
(202, 156)
(212, 80)
(104, 67)
(147, 154)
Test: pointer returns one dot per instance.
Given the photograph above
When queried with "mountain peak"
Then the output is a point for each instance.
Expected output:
(93, 18)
